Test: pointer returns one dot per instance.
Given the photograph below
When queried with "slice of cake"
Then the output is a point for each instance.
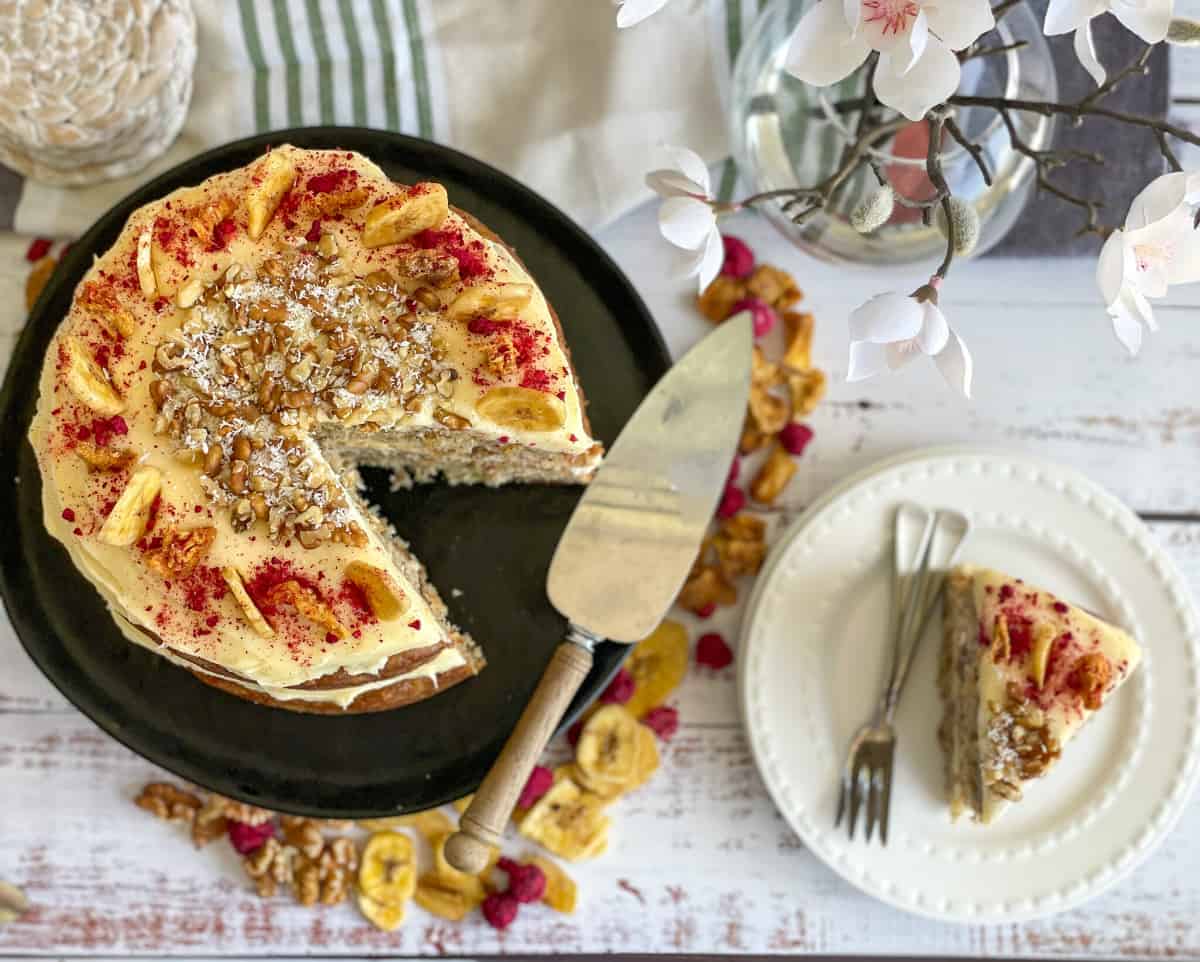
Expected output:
(1021, 672)
(226, 365)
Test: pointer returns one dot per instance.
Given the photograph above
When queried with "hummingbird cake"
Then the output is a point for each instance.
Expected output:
(224, 368)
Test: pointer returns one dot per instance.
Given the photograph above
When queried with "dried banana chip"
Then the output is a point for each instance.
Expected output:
(129, 516)
(432, 895)
(658, 664)
(262, 200)
(388, 872)
(605, 792)
(88, 381)
(504, 302)
(648, 760)
(249, 609)
(607, 753)
(561, 891)
(522, 409)
(383, 594)
(566, 821)
(421, 207)
(380, 914)
(145, 271)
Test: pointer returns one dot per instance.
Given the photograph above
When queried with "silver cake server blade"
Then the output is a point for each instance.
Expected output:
(626, 551)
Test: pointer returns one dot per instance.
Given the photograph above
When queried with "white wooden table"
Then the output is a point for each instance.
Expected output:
(700, 860)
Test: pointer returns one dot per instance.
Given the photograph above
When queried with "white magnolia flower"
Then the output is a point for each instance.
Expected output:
(1149, 19)
(916, 40)
(635, 11)
(688, 217)
(1159, 246)
(891, 329)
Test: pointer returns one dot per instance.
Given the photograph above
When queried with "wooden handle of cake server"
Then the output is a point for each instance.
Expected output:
(483, 822)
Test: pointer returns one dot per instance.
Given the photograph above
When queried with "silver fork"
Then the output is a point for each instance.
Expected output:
(916, 586)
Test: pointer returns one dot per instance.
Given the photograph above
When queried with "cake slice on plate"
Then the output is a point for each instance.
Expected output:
(1021, 672)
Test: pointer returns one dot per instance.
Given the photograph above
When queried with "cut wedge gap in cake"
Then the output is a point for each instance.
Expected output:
(1021, 673)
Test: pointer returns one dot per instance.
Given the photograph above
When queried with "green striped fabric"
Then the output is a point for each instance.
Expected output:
(361, 62)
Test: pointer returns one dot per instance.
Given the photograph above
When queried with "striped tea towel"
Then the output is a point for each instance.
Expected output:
(548, 90)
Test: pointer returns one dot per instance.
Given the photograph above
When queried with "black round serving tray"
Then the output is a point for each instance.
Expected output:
(492, 545)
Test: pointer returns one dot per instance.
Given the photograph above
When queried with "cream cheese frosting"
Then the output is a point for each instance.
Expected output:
(184, 399)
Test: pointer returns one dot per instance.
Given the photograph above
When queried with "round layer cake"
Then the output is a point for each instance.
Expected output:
(223, 369)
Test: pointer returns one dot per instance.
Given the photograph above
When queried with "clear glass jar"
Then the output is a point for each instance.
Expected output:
(787, 133)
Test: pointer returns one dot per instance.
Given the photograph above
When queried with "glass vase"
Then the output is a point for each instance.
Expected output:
(788, 134)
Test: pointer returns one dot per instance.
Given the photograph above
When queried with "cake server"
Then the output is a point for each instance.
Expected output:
(626, 551)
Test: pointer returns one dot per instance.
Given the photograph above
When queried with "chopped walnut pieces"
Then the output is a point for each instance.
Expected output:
(101, 302)
(335, 201)
(1018, 744)
(773, 476)
(740, 545)
(238, 811)
(778, 288)
(304, 835)
(164, 800)
(306, 601)
(797, 336)
(270, 866)
(428, 268)
(180, 551)
(1090, 677)
(718, 298)
(326, 877)
(502, 353)
(99, 458)
(205, 218)
(449, 419)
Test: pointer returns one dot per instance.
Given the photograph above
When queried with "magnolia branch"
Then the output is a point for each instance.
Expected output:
(817, 197)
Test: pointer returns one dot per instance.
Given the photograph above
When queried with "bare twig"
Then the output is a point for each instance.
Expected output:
(1044, 163)
(1136, 66)
(933, 169)
(971, 148)
(819, 195)
(974, 52)
(1164, 147)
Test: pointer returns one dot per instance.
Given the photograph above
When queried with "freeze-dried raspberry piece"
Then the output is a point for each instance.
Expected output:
(712, 652)
(526, 883)
(739, 258)
(620, 689)
(732, 501)
(500, 910)
(663, 721)
(795, 437)
(540, 780)
(249, 838)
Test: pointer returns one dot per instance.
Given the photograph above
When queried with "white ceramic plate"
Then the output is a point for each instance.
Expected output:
(814, 644)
